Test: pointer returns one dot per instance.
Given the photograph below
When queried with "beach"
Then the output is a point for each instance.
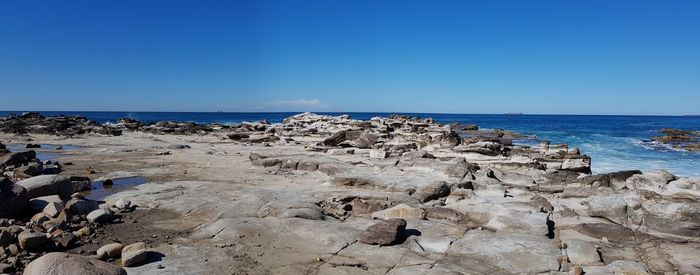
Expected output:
(317, 194)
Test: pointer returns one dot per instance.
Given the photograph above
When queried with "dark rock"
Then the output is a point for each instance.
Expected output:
(17, 159)
(32, 146)
(384, 233)
(335, 139)
(237, 136)
(14, 199)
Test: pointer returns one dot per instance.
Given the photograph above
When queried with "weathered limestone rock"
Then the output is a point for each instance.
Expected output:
(57, 263)
(336, 138)
(582, 165)
(432, 191)
(610, 206)
(442, 213)
(134, 254)
(581, 252)
(651, 180)
(378, 154)
(384, 233)
(113, 250)
(401, 211)
(46, 185)
(517, 253)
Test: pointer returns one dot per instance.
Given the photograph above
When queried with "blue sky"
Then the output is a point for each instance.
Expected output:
(572, 57)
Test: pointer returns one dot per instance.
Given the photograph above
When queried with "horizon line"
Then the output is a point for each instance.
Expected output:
(356, 112)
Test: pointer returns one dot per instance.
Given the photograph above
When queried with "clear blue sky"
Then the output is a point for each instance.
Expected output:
(576, 57)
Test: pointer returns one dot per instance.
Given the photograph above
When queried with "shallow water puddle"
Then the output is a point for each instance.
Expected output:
(46, 152)
(100, 191)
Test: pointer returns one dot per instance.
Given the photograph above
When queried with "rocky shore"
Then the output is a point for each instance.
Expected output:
(333, 195)
(680, 139)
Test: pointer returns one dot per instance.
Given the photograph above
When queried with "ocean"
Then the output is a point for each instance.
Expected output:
(613, 142)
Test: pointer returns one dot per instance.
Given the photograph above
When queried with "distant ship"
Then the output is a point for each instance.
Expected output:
(513, 114)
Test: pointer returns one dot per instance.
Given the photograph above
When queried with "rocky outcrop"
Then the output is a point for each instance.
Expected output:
(681, 139)
(47, 185)
(13, 198)
(384, 233)
(64, 263)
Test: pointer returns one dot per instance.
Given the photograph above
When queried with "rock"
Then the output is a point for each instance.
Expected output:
(384, 233)
(401, 211)
(40, 218)
(38, 204)
(113, 250)
(30, 239)
(99, 216)
(582, 165)
(6, 238)
(651, 180)
(47, 185)
(515, 252)
(32, 146)
(32, 169)
(6, 268)
(365, 208)
(80, 207)
(53, 209)
(134, 254)
(581, 252)
(237, 136)
(432, 191)
(627, 268)
(609, 206)
(56, 263)
(442, 213)
(378, 154)
(335, 139)
(17, 159)
(122, 204)
(13, 198)
(85, 231)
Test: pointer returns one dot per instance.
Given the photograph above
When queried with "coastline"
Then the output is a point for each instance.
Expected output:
(299, 197)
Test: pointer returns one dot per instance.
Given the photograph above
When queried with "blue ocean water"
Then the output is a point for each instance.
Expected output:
(613, 142)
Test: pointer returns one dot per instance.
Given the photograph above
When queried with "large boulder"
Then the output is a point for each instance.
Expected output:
(384, 233)
(432, 191)
(30, 239)
(47, 185)
(651, 180)
(59, 263)
(17, 159)
(609, 206)
(13, 198)
(134, 254)
(80, 206)
(113, 250)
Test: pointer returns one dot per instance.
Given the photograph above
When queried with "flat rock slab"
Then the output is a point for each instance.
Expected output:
(514, 252)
